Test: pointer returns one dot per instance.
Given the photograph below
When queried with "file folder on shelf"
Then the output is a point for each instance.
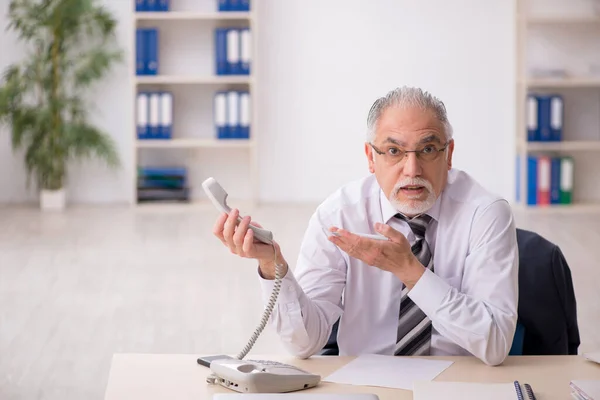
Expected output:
(233, 52)
(245, 116)
(166, 115)
(532, 180)
(146, 51)
(566, 180)
(556, 118)
(533, 132)
(545, 117)
(221, 51)
(154, 116)
(233, 115)
(555, 180)
(142, 116)
(233, 5)
(245, 51)
(220, 115)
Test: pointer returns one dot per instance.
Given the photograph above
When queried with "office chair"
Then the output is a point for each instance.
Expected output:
(547, 310)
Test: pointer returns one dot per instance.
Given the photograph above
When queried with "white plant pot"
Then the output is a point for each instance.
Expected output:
(52, 200)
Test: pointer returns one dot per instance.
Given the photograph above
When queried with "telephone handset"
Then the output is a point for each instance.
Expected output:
(218, 196)
(255, 376)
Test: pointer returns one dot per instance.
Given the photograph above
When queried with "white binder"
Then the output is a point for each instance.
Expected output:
(245, 51)
(233, 114)
(142, 116)
(220, 114)
(166, 115)
(233, 51)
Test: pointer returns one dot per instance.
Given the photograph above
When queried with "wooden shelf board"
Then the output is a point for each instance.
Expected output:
(563, 83)
(574, 145)
(193, 143)
(562, 19)
(191, 15)
(590, 207)
(192, 80)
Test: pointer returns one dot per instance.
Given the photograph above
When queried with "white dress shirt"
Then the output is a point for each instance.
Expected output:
(471, 297)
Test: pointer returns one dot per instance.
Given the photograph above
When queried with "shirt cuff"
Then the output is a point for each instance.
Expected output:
(289, 290)
(429, 293)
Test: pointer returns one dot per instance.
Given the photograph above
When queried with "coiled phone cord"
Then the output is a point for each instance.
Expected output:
(211, 379)
(268, 310)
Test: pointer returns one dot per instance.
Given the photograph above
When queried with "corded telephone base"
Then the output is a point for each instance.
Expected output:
(258, 376)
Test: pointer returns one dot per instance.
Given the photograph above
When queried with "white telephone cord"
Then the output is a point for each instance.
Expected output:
(266, 314)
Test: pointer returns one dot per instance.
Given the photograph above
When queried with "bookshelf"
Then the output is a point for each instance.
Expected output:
(187, 70)
(556, 55)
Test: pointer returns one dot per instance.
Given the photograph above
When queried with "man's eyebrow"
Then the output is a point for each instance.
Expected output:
(429, 139)
(426, 139)
(394, 141)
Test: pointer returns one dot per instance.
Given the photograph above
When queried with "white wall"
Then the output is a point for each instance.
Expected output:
(321, 66)
(325, 62)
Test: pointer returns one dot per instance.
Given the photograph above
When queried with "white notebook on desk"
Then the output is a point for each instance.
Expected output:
(593, 356)
(463, 391)
(586, 389)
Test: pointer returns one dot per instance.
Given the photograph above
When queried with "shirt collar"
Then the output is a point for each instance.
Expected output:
(388, 211)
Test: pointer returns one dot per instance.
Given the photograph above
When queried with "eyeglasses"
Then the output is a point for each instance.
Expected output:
(394, 155)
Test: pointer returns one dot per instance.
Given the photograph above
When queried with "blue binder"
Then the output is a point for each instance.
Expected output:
(164, 5)
(223, 5)
(233, 115)
(532, 117)
(220, 114)
(234, 5)
(234, 66)
(245, 51)
(244, 5)
(532, 168)
(154, 115)
(221, 51)
(152, 5)
(544, 109)
(245, 116)
(166, 115)
(555, 180)
(152, 43)
(556, 117)
(140, 5)
(140, 52)
(142, 111)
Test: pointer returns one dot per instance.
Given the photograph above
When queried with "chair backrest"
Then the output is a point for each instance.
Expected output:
(547, 323)
(547, 305)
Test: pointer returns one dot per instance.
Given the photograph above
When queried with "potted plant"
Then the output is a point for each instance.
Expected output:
(43, 98)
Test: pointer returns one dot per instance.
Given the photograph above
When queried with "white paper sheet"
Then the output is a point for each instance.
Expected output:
(387, 371)
(593, 356)
(465, 391)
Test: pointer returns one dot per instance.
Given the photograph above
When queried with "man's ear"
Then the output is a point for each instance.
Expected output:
(450, 150)
(369, 153)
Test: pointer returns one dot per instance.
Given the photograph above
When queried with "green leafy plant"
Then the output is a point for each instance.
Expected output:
(71, 45)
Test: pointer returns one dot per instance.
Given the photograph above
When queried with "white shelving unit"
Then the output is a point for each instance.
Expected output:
(550, 33)
(187, 69)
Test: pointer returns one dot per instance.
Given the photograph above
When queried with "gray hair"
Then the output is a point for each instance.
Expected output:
(407, 96)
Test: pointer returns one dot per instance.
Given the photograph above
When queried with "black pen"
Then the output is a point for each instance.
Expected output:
(529, 390)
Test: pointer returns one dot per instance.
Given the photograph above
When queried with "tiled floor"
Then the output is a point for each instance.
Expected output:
(77, 287)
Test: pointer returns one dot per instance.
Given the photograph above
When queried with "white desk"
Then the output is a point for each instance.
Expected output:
(167, 376)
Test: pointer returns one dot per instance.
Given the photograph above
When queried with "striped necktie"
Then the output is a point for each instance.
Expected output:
(414, 327)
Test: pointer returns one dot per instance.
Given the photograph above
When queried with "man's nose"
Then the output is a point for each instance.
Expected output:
(412, 165)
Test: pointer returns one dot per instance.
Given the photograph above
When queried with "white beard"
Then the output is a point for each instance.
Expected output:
(413, 206)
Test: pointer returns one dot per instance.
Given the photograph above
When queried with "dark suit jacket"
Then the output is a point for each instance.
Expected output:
(547, 308)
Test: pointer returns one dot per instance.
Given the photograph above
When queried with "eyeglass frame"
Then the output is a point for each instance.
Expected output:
(417, 152)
